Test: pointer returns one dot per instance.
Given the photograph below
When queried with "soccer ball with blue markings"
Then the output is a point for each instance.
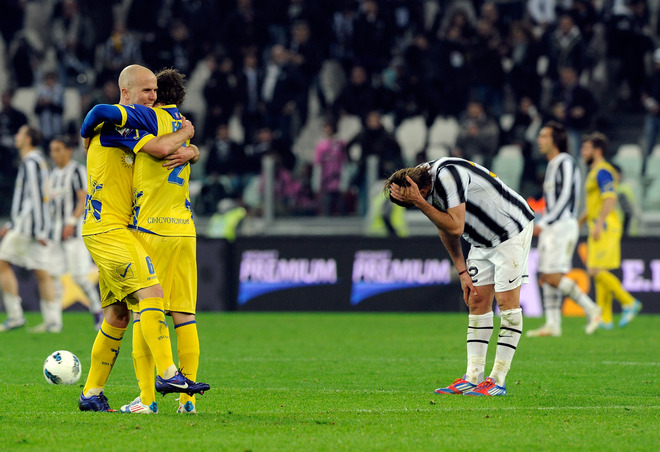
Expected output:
(62, 368)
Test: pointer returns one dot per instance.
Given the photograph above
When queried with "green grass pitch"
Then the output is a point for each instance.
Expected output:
(298, 381)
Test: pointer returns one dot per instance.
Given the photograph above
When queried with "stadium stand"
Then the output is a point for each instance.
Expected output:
(508, 165)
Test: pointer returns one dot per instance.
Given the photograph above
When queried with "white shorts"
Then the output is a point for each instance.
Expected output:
(556, 246)
(505, 265)
(69, 256)
(23, 251)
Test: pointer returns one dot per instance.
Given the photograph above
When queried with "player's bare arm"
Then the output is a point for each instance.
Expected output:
(164, 145)
(70, 226)
(182, 156)
(455, 250)
(452, 222)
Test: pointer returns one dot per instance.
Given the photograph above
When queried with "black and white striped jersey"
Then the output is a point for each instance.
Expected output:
(64, 183)
(494, 212)
(561, 189)
(29, 209)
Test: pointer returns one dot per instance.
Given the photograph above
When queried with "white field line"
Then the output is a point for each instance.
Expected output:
(466, 408)
(435, 409)
(391, 359)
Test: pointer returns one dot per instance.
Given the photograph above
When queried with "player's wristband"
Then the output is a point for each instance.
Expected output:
(71, 221)
(461, 272)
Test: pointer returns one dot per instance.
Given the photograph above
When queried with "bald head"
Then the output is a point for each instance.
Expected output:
(138, 85)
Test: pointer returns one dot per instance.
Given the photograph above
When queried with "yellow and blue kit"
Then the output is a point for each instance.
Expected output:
(601, 183)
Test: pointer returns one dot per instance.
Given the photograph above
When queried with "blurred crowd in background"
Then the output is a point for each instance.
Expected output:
(285, 77)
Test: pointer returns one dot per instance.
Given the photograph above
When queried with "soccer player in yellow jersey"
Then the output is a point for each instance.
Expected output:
(163, 223)
(126, 272)
(605, 230)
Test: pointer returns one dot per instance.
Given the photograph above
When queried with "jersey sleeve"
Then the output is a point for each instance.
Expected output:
(606, 184)
(140, 117)
(130, 116)
(99, 114)
(133, 139)
(79, 178)
(455, 185)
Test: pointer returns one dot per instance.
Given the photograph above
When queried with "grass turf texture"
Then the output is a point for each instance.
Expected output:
(348, 382)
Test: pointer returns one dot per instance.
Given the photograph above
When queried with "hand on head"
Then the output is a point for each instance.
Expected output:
(405, 194)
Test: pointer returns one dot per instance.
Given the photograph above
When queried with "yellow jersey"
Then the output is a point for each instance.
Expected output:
(110, 160)
(161, 199)
(601, 184)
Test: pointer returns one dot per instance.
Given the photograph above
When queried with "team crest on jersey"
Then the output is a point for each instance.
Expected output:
(125, 271)
(125, 131)
(93, 205)
(128, 159)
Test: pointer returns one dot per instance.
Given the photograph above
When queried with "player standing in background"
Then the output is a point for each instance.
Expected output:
(24, 238)
(163, 223)
(126, 273)
(605, 230)
(464, 199)
(558, 232)
(68, 189)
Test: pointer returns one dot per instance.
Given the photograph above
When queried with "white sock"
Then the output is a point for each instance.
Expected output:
(13, 306)
(57, 287)
(51, 312)
(552, 299)
(570, 289)
(480, 329)
(510, 331)
(91, 292)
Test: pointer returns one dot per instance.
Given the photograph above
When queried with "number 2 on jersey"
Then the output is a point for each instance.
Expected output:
(174, 177)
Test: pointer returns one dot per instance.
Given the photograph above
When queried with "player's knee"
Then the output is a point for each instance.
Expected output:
(155, 291)
(117, 315)
(42, 276)
(182, 317)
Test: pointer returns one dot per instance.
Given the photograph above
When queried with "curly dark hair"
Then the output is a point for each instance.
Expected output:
(599, 141)
(419, 174)
(171, 87)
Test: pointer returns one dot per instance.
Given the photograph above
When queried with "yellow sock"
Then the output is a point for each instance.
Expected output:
(615, 286)
(143, 363)
(188, 351)
(156, 333)
(603, 298)
(104, 354)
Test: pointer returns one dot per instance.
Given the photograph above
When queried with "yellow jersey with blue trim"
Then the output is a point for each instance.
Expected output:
(601, 184)
(110, 159)
(161, 199)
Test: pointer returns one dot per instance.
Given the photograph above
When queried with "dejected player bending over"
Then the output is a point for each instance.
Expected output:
(464, 199)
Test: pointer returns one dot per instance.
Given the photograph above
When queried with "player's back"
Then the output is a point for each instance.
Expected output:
(110, 160)
(64, 183)
(161, 202)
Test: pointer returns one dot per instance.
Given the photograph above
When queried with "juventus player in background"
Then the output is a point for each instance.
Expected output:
(24, 238)
(558, 232)
(464, 199)
(68, 189)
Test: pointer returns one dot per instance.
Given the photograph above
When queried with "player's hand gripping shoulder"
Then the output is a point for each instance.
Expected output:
(187, 128)
(182, 156)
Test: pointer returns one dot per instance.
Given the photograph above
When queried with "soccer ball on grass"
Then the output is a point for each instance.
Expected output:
(62, 368)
